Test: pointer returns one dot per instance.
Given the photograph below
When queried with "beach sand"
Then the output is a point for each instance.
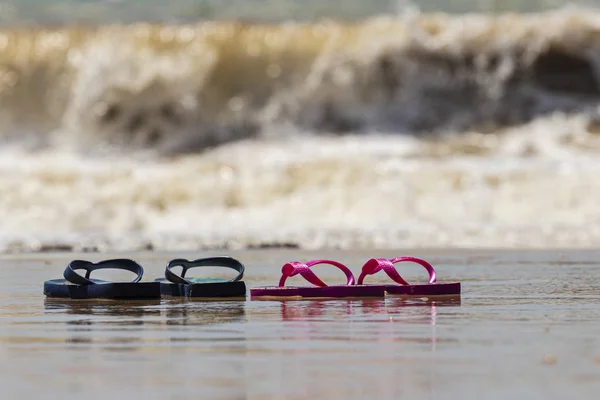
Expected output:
(526, 326)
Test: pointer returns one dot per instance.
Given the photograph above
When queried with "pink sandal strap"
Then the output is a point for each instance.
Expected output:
(295, 268)
(375, 265)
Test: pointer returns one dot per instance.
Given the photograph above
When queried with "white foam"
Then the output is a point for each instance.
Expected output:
(356, 191)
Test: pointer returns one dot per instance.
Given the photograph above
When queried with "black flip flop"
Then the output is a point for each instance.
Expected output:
(75, 286)
(180, 286)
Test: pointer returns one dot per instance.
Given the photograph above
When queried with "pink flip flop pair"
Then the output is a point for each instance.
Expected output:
(356, 289)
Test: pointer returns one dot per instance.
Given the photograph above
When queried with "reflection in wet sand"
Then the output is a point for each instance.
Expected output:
(204, 313)
(110, 324)
(326, 309)
(111, 308)
(122, 323)
(311, 310)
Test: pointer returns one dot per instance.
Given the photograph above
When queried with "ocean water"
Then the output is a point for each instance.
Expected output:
(146, 125)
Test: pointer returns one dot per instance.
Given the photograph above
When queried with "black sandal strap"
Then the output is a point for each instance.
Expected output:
(119, 263)
(227, 262)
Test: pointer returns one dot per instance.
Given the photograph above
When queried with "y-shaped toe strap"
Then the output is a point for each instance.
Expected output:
(226, 262)
(295, 268)
(119, 263)
(375, 265)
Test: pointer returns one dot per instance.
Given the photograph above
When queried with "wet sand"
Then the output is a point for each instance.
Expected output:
(526, 327)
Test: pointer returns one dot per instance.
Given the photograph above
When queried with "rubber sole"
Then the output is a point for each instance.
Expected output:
(61, 288)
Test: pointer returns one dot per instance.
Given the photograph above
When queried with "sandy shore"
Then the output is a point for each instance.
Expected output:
(525, 327)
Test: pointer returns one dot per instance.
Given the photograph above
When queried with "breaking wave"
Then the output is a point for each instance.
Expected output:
(184, 88)
(401, 130)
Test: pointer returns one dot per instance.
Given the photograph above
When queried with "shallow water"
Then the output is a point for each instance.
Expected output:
(526, 327)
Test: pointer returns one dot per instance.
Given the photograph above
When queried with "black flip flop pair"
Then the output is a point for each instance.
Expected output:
(76, 286)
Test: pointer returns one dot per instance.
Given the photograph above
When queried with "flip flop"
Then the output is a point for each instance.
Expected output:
(75, 286)
(179, 286)
(321, 290)
(401, 287)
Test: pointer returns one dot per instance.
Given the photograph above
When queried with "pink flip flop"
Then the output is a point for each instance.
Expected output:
(320, 290)
(401, 287)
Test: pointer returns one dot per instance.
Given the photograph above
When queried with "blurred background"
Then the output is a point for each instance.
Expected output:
(18, 12)
(145, 125)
